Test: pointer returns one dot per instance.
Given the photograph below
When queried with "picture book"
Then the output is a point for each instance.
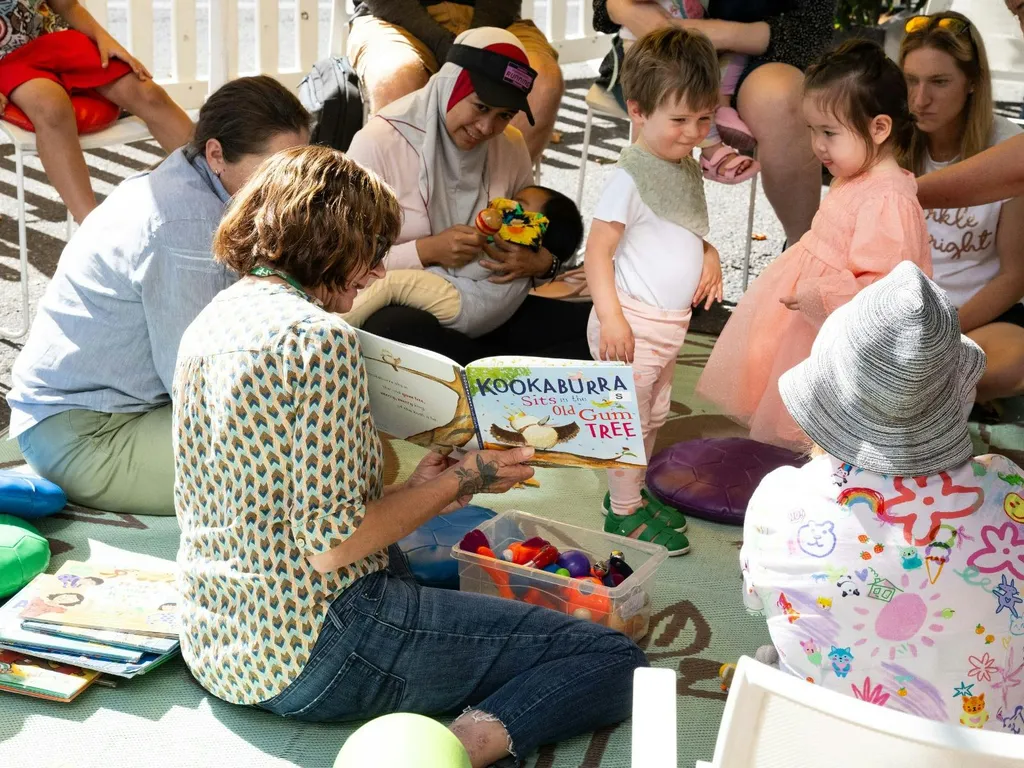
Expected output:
(42, 679)
(128, 641)
(576, 413)
(106, 597)
(15, 635)
(147, 663)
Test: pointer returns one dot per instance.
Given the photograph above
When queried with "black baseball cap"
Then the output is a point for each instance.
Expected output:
(499, 80)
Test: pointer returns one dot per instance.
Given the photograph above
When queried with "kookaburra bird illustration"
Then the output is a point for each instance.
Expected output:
(529, 430)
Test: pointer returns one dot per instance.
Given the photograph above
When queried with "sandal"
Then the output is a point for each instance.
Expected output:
(670, 516)
(725, 158)
(651, 530)
(733, 130)
(664, 511)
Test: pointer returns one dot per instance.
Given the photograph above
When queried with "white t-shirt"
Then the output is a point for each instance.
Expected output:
(657, 262)
(964, 257)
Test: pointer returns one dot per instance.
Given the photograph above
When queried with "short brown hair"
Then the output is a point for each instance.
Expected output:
(671, 62)
(310, 212)
(968, 51)
(856, 82)
(244, 114)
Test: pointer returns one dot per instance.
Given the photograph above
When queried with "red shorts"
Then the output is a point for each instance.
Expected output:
(68, 58)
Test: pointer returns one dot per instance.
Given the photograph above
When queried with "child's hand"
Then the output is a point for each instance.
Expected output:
(617, 341)
(791, 302)
(111, 49)
(3, 103)
(710, 285)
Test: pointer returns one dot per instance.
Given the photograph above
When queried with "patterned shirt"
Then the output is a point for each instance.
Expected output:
(276, 456)
(25, 20)
(901, 591)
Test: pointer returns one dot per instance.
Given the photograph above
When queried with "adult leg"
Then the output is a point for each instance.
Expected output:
(1004, 370)
(390, 645)
(421, 329)
(543, 328)
(120, 462)
(546, 96)
(769, 102)
(389, 61)
(48, 106)
(168, 123)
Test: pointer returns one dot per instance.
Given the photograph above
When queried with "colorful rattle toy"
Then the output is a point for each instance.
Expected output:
(507, 219)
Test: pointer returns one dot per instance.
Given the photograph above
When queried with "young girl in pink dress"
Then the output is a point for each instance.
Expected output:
(855, 101)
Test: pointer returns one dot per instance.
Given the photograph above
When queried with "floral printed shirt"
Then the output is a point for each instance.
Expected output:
(901, 591)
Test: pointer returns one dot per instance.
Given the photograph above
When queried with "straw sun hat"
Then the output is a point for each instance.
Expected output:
(890, 380)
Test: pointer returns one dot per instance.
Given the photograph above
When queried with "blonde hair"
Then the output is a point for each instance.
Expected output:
(675, 62)
(968, 50)
(312, 213)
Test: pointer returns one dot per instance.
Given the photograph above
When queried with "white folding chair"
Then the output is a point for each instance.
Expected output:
(599, 101)
(123, 131)
(774, 720)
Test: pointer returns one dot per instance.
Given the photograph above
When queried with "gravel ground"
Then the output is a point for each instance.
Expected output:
(46, 214)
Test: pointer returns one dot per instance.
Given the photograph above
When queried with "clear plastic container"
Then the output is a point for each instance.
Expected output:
(626, 607)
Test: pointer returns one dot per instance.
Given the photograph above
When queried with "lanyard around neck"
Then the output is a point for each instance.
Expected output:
(262, 271)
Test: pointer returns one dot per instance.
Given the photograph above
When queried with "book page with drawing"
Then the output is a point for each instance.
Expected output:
(578, 413)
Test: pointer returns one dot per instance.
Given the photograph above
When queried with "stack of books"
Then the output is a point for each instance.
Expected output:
(59, 633)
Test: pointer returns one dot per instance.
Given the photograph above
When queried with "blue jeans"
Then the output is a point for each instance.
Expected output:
(390, 645)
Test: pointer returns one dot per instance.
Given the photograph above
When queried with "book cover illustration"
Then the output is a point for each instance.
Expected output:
(107, 597)
(578, 413)
(574, 413)
(42, 679)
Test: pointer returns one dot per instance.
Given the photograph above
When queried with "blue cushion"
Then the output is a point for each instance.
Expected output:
(428, 548)
(28, 495)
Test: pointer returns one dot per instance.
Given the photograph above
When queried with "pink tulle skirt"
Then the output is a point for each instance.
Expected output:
(761, 341)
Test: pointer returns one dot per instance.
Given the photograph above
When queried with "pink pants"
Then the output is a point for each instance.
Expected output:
(658, 335)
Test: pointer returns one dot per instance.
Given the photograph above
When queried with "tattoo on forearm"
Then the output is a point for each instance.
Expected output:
(482, 480)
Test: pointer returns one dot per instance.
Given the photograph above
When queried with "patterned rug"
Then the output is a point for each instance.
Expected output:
(166, 719)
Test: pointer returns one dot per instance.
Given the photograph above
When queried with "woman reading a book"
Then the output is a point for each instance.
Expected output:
(295, 597)
(447, 150)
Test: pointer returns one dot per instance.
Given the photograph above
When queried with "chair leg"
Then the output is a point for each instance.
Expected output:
(750, 232)
(69, 227)
(536, 170)
(17, 333)
(584, 154)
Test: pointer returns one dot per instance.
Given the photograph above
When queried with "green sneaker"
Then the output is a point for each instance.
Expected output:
(670, 516)
(654, 530)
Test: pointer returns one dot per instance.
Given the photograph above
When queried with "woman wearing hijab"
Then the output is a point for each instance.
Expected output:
(447, 150)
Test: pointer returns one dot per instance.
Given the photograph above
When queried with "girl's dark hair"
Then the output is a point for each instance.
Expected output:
(856, 82)
(565, 225)
(244, 114)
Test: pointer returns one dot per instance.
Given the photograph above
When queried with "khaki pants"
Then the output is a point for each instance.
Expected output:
(376, 46)
(115, 462)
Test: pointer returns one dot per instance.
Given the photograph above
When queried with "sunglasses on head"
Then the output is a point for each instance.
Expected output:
(950, 23)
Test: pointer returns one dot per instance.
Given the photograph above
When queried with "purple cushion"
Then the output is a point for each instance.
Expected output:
(714, 478)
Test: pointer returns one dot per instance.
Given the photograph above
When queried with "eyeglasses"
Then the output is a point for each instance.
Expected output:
(383, 246)
(950, 23)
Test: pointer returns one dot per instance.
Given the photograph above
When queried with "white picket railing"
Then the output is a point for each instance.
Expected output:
(175, 38)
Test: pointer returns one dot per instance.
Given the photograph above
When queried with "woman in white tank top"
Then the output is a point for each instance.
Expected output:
(976, 251)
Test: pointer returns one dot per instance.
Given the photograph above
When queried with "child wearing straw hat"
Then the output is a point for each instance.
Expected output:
(890, 566)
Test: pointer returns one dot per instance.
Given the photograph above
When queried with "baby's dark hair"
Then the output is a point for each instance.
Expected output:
(856, 82)
(565, 224)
